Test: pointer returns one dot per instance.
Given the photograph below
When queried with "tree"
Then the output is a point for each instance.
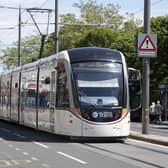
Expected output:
(94, 13)
(29, 52)
(119, 40)
(159, 65)
(132, 24)
(10, 57)
(69, 19)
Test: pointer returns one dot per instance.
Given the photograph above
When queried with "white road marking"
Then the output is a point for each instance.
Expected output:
(10, 145)
(5, 130)
(17, 149)
(5, 163)
(73, 158)
(40, 144)
(25, 153)
(33, 158)
(45, 165)
(18, 135)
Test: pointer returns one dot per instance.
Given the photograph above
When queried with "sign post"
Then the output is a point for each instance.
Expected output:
(146, 49)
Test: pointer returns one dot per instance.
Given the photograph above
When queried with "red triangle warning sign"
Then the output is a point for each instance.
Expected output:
(147, 44)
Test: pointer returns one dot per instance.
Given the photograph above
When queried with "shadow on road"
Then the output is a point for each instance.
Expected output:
(14, 132)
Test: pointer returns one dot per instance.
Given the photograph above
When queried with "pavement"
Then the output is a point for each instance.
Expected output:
(152, 138)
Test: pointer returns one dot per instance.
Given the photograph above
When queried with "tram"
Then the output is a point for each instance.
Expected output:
(135, 91)
(81, 92)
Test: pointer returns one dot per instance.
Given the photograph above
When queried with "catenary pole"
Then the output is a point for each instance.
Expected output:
(19, 37)
(146, 72)
(56, 48)
(19, 62)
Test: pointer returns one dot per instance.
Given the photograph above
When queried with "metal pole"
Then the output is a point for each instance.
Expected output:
(19, 37)
(19, 63)
(42, 45)
(38, 74)
(34, 21)
(56, 48)
(166, 110)
(146, 72)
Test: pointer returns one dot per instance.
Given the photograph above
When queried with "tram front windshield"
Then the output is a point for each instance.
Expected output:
(99, 83)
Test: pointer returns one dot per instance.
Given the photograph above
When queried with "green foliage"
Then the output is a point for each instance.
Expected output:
(69, 19)
(159, 65)
(94, 13)
(132, 23)
(98, 38)
(49, 46)
(10, 57)
(30, 49)
(29, 52)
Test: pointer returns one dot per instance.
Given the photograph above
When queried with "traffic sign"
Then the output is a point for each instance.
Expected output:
(147, 45)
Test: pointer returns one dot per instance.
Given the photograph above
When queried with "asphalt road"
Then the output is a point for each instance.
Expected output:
(23, 147)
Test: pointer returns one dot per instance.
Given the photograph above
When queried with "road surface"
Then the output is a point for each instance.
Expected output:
(23, 147)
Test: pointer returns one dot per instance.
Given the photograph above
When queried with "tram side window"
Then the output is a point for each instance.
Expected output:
(62, 98)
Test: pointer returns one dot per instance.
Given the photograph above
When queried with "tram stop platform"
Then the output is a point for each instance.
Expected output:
(151, 137)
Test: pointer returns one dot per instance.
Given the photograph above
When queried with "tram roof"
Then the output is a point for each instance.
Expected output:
(93, 53)
(40, 61)
(48, 59)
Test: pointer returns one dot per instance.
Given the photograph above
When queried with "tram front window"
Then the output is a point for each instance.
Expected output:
(100, 87)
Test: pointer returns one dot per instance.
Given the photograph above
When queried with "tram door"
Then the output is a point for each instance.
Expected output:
(62, 99)
(14, 96)
(28, 96)
(46, 106)
(66, 122)
(6, 96)
(52, 100)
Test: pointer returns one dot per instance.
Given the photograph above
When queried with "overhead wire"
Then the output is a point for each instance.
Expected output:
(13, 29)
(9, 7)
(24, 9)
(153, 4)
(39, 8)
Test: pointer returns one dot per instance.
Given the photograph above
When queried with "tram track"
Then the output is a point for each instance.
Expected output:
(146, 148)
(147, 163)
